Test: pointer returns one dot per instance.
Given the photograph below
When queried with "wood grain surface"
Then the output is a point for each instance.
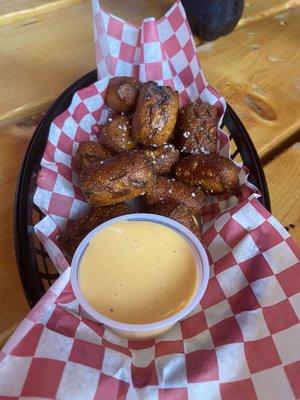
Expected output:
(283, 177)
(255, 10)
(17, 10)
(133, 10)
(42, 56)
(13, 306)
(257, 70)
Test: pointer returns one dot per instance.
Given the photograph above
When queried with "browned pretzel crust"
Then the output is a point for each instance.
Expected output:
(117, 134)
(215, 174)
(90, 152)
(170, 191)
(155, 114)
(162, 158)
(180, 213)
(73, 235)
(119, 178)
(196, 129)
(122, 92)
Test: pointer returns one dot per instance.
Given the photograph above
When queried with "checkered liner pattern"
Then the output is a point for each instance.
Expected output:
(241, 342)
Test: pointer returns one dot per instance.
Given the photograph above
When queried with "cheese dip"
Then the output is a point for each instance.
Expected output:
(138, 272)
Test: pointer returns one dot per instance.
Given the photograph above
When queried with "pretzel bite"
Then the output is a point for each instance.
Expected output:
(197, 129)
(155, 114)
(162, 158)
(170, 191)
(116, 134)
(73, 235)
(119, 178)
(122, 92)
(89, 153)
(215, 174)
(180, 213)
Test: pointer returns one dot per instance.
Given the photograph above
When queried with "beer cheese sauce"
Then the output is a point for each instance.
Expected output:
(138, 272)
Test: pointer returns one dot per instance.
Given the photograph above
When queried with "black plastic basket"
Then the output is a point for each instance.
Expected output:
(35, 267)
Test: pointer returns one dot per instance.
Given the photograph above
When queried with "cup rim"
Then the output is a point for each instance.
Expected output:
(201, 262)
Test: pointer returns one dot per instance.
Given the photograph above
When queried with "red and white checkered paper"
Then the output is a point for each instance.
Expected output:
(241, 342)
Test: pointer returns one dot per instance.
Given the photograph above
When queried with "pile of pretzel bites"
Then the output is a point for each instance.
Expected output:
(152, 148)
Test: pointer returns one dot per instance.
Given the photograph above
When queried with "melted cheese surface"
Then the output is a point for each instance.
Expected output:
(138, 272)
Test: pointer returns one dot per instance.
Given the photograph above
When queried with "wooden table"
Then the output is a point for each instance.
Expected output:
(47, 44)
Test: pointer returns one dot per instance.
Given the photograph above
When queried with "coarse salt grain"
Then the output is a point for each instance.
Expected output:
(203, 150)
(193, 194)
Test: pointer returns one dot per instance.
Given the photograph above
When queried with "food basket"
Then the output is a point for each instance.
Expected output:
(35, 267)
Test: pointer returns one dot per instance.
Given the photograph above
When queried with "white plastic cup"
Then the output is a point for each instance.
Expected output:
(144, 331)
